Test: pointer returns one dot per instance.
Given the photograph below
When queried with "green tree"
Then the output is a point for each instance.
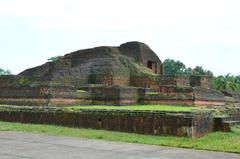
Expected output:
(54, 58)
(237, 79)
(4, 72)
(188, 71)
(24, 81)
(227, 82)
(198, 70)
(172, 67)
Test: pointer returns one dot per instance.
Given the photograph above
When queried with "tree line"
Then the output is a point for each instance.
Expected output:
(4, 72)
(172, 67)
(222, 82)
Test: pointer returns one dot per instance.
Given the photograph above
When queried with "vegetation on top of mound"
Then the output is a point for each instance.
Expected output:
(5, 72)
(136, 69)
(135, 107)
(23, 81)
(54, 58)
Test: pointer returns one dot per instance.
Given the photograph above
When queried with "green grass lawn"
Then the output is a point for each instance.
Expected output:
(218, 141)
(136, 107)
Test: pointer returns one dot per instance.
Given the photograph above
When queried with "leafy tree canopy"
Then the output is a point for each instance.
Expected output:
(223, 82)
(198, 70)
(227, 82)
(4, 72)
(237, 79)
(172, 67)
(54, 58)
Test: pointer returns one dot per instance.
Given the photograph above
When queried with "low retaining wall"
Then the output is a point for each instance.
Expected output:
(113, 95)
(43, 96)
(142, 122)
(107, 95)
(226, 117)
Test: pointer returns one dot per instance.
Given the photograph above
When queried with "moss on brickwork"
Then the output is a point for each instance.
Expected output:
(100, 65)
(132, 64)
(135, 68)
(175, 123)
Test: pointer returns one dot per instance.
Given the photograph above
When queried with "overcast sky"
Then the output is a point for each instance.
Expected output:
(196, 32)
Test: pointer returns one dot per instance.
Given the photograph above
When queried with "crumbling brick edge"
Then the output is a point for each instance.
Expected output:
(173, 123)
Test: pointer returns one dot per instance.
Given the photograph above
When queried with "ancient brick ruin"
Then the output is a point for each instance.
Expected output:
(142, 122)
(129, 74)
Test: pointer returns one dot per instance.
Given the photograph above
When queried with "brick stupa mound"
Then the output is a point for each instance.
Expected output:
(100, 65)
(129, 74)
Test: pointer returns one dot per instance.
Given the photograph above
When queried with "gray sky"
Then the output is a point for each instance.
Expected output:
(196, 32)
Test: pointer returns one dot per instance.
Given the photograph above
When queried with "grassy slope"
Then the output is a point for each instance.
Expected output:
(218, 141)
(137, 107)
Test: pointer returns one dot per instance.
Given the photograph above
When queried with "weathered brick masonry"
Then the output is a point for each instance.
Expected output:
(107, 95)
(121, 75)
(42, 95)
(142, 122)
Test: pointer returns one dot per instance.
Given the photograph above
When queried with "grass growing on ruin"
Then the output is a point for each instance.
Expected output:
(136, 107)
(218, 141)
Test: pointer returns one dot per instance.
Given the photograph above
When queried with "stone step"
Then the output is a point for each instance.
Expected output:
(232, 122)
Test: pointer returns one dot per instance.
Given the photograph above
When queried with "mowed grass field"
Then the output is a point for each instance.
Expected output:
(217, 141)
(135, 107)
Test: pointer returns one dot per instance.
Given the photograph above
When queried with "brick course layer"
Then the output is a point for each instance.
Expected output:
(108, 95)
(142, 122)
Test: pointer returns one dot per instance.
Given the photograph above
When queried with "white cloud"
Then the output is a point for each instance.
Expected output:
(73, 14)
(174, 28)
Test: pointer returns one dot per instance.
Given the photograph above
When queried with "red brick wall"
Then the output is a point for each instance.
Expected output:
(121, 80)
(166, 89)
(206, 82)
(182, 81)
(142, 122)
(143, 81)
(42, 95)
(113, 80)
(7, 80)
